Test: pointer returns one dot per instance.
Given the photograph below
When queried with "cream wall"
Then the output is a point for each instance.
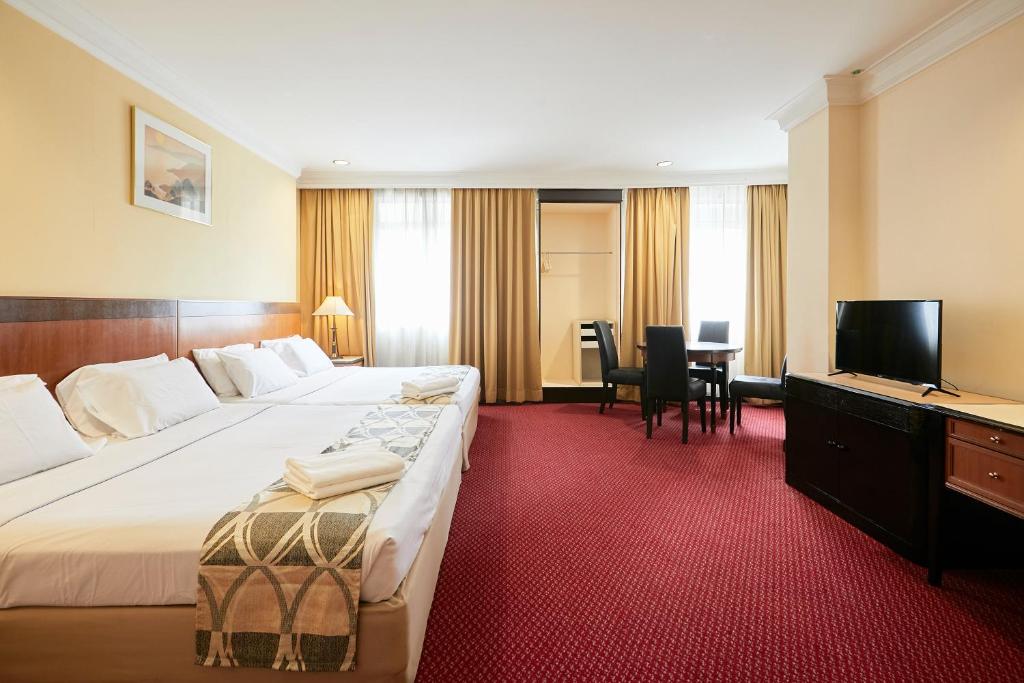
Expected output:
(942, 178)
(921, 187)
(67, 224)
(807, 286)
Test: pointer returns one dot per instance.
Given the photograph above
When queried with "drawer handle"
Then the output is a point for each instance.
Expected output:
(995, 439)
(993, 475)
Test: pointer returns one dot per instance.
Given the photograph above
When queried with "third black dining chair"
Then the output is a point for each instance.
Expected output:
(714, 331)
(752, 386)
(668, 376)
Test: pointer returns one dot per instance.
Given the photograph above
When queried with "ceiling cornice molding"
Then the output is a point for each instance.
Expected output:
(802, 107)
(311, 179)
(834, 90)
(74, 23)
(956, 30)
(842, 90)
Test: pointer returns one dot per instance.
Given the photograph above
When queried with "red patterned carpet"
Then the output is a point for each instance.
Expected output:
(580, 551)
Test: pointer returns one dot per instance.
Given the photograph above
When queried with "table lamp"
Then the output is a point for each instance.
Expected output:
(332, 306)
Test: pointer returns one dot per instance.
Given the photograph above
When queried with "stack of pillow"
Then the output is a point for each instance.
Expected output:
(126, 400)
(136, 398)
(248, 371)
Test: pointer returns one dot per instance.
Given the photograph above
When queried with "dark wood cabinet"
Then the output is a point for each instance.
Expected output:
(810, 429)
(883, 478)
(865, 457)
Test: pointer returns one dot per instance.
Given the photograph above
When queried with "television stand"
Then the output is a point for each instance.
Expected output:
(842, 372)
(940, 390)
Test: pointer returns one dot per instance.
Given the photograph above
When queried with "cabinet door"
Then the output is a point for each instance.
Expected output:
(877, 475)
(810, 459)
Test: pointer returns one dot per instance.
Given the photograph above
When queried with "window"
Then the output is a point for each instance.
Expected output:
(412, 275)
(718, 260)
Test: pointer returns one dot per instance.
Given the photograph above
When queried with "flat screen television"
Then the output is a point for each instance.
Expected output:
(900, 340)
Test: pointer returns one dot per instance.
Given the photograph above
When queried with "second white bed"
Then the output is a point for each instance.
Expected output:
(370, 386)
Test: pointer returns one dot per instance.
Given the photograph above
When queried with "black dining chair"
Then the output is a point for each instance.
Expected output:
(714, 331)
(668, 376)
(752, 386)
(611, 374)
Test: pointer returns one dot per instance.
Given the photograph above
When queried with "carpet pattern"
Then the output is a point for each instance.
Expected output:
(581, 551)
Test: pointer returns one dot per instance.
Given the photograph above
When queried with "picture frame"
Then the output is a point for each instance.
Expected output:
(172, 171)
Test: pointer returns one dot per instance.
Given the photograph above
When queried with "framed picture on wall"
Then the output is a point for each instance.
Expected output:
(171, 170)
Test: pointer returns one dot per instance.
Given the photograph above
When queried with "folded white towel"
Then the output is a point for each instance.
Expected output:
(338, 489)
(427, 385)
(428, 394)
(353, 464)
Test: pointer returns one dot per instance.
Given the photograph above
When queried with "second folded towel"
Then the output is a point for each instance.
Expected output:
(427, 386)
(355, 468)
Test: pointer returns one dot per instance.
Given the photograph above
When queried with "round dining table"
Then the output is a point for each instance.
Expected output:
(713, 353)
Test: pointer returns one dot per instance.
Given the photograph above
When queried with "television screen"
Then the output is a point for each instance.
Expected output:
(899, 340)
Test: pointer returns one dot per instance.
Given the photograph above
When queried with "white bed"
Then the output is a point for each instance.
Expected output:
(370, 386)
(125, 527)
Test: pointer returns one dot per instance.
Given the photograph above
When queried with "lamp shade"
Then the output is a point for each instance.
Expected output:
(333, 305)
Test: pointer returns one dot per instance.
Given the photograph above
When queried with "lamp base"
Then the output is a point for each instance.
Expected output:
(334, 342)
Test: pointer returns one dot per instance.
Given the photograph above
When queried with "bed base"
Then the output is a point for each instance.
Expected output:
(469, 430)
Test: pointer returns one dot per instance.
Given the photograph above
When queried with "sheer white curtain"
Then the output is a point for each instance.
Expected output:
(718, 260)
(412, 234)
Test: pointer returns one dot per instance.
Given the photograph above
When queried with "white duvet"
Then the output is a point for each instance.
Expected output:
(125, 526)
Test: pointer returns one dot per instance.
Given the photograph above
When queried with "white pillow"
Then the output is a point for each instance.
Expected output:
(257, 372)
(213, 370)
(34, 436)
(143, 400)
(70, 397)
(272, 343)
(14, 380)
(303, 356)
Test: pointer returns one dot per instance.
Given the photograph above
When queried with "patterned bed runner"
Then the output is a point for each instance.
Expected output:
(279, 576)
(457, 371)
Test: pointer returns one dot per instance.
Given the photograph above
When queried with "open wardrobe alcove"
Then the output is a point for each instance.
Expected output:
(580, 280)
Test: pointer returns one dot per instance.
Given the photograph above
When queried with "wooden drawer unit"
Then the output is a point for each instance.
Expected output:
(989, 437)
(986, 463)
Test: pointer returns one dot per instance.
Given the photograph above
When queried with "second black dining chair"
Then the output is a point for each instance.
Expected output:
(668, 376)
(611, 374)
(714, 331)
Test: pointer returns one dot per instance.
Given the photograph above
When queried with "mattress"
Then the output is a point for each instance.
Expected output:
(360, 386)
(125, 527)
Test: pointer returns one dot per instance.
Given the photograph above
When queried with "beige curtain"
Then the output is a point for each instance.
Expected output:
(336, 259)
(765, 344)
(495, 319)
(657, 249)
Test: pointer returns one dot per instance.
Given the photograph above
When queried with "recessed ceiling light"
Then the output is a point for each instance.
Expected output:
(340, 162)
(663, 164)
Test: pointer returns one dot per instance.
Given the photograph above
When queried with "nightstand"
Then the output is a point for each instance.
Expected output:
(347, 361)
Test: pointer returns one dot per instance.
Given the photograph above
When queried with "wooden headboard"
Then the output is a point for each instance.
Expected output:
(210, 324)
(51, 336)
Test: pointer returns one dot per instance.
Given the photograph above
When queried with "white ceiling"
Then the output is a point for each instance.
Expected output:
(520, 89)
